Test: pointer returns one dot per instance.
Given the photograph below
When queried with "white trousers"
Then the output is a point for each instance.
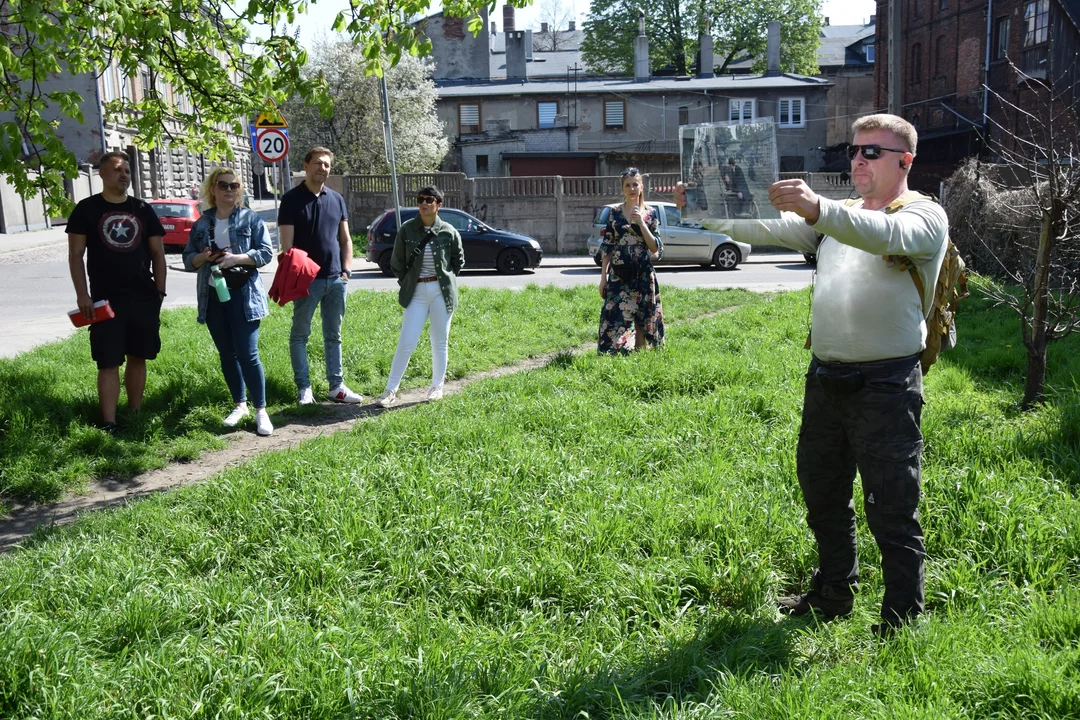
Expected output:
(427, 302)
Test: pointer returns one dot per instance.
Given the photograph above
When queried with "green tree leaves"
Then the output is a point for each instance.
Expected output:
(674, 26)
(207, 64)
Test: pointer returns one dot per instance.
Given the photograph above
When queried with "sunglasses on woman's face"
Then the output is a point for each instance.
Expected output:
(870, 152)
(222, 185)
(424, 200)
(629, 171)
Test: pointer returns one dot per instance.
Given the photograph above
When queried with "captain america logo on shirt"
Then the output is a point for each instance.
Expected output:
(121, 231)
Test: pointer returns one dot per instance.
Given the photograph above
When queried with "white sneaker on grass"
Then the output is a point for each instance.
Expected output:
(435, 393)
(387, 399)
(343, 394)
(233, 419)
(263, 426)
(305, 397)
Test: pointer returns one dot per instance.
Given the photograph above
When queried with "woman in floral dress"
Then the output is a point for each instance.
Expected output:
(627, 278)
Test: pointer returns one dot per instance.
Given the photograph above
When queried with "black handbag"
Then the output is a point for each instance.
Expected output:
(237, 275)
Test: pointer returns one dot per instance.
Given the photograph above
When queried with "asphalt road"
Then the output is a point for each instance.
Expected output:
(36, 292)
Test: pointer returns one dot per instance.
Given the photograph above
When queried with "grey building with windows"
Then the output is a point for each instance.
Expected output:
(545, 116)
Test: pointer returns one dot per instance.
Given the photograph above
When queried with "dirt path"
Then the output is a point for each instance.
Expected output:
(24, 519)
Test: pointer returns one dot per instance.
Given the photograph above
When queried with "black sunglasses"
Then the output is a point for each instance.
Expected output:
(629, 171)
(423, 200)
(222, 185)
(870, 152)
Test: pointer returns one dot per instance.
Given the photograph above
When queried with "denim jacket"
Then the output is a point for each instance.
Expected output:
(247, 234)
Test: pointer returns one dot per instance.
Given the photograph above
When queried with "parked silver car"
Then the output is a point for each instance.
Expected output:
(685, 243)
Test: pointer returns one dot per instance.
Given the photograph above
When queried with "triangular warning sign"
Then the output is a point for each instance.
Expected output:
(270, 119)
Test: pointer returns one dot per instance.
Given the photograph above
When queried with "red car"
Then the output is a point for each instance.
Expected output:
(177, 217)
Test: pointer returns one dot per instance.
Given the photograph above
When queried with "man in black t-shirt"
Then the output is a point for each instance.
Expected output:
(313, 218)
(121, 238)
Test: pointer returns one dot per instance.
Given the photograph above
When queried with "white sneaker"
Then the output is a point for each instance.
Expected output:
(305, 397)
(343, 394)
(387, 399)
(233, 419)
(435, 393)
(263, 426)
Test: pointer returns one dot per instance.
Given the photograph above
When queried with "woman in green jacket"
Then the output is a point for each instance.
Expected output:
(426, 260)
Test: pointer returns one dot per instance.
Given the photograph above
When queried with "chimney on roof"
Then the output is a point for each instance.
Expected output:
(706, 62)
(826, 21)
(772, 54)
(572, 26)
(543, 27)
(641, 51)
(515, 55)
(873, 19)
(508, 18)
(494, 29)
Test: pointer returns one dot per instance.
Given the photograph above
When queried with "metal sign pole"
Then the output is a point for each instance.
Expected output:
(390, 151)
(276, 186)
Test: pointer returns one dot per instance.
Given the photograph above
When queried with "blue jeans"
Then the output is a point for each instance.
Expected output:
(237, 341)
(329, 294)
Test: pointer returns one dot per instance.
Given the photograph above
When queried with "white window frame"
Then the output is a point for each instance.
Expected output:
(792, 102)
(108, 84)
(737, 109)
(540, 113)
(461, 118)
(622, 115)
(869, 47)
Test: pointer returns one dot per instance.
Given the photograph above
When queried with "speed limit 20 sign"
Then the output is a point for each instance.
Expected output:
(272, 144)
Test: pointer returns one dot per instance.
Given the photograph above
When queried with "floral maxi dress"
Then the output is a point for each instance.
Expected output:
(634, 297)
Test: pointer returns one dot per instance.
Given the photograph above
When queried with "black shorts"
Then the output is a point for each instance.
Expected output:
(135, 331)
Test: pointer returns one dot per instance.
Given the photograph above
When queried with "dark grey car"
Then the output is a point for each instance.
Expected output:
(485, 246)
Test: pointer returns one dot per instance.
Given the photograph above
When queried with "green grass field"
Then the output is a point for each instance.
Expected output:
(603, 537)
(49, 440)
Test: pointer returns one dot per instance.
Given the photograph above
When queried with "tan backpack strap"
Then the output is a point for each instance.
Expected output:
(917, 279)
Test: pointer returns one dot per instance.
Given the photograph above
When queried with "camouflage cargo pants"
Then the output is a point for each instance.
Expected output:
(866, 416)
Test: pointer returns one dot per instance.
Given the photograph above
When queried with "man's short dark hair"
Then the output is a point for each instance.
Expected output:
(731, 161)
(319, 150)
(113, 155)
(432, 191)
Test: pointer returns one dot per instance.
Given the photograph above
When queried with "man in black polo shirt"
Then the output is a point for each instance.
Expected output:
(313, 218)
(121, 238)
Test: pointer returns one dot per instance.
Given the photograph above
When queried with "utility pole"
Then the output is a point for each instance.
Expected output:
(895, 52)
(390, 150)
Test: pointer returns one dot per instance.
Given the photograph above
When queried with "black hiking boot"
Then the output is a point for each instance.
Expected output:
(828, 601)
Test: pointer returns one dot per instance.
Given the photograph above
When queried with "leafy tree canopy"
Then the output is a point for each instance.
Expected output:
(355, 125)
(203, 51)
(738, 29)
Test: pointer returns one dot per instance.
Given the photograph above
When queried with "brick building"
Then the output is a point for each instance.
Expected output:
(951, 48)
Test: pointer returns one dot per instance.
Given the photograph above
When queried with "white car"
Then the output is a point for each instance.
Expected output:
(685, 243)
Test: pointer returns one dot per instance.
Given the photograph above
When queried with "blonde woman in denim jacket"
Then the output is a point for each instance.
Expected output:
(426, 259)
(229, 235)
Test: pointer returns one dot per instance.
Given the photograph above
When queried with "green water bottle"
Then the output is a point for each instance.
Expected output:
(219, 284)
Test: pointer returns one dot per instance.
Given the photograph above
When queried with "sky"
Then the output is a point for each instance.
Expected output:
(322, 12)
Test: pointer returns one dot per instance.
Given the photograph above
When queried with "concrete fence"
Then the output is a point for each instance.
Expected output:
(557, 211)
(21, 215)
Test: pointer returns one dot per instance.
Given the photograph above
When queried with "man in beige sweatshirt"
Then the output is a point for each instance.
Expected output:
(863, 396)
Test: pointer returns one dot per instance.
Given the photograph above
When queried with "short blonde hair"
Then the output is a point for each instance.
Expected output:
(207, 193)
(898, 126)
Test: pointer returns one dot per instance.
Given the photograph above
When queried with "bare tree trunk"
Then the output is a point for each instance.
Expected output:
(1036, 341)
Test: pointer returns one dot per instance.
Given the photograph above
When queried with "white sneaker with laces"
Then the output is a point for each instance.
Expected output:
(233, 419)
(263, 426)
(304, 396)
(343, 394)
(435, 393)
(387, 399)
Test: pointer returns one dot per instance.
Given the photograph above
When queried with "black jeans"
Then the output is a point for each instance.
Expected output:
(866, 416)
